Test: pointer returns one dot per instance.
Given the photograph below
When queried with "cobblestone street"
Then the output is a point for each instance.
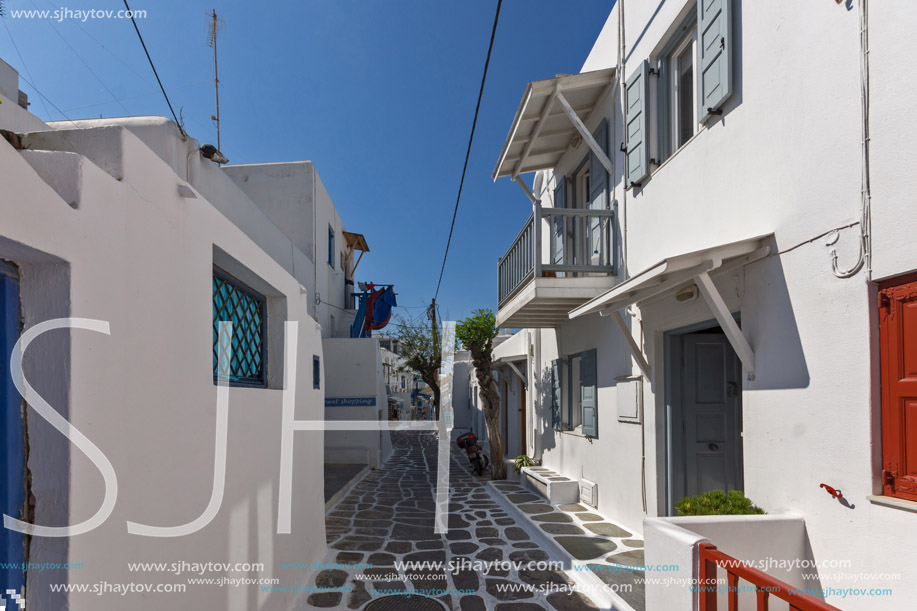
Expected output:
(389, 517)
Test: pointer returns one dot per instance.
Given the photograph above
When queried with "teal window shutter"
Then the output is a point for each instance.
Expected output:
(555, 394)
(598, 175)
(636, 102)
(714, 39)
(560, 201)
(589, 395)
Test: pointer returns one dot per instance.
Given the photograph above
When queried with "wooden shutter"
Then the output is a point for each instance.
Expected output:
(555, 395)
(588, 394)
(714, 40)
(636, 102)
(557, 236)
(898, 353)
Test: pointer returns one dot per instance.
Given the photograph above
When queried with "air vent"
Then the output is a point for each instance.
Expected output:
(589, 493)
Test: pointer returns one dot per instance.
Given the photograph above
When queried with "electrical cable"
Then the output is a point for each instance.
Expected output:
(27, 71)
(474, 123)
(158, 80)
(85, 63)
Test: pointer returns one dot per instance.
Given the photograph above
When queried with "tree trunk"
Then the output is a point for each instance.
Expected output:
(490, 400)
(429, 376)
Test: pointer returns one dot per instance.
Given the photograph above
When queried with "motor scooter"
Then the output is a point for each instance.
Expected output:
(476, 455)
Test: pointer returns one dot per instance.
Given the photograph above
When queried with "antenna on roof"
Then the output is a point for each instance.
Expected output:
(215, 25)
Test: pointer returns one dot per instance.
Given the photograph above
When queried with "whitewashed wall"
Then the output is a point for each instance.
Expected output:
(784, 159)
(292, 195)
(353, 368)
(136, 254)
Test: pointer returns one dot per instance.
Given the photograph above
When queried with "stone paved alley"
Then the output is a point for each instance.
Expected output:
(388, 516)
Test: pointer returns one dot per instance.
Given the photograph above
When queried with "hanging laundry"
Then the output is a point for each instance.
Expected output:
(370, 310)
(382, 310)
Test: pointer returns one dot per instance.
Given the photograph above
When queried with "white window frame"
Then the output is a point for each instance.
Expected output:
(666, 119)
(676, 94)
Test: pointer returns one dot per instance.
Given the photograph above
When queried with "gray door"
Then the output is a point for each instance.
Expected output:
(711, 397)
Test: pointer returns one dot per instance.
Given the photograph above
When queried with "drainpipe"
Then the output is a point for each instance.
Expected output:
(865, 256)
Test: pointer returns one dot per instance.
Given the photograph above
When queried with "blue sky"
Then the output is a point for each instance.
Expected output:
(378, 94)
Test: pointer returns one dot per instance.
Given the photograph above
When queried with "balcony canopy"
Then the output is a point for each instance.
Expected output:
(552, 112)
(673, 273)
(669, 274)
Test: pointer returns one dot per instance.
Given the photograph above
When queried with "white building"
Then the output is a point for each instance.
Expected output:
(125, 221)
(721, 198)
(292, 195)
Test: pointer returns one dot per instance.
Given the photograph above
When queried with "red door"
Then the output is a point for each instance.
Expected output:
(898, 338)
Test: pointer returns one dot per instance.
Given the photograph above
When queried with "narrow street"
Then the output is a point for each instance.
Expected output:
(388, 518)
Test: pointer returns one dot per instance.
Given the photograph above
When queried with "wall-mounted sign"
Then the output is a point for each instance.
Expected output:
(350, 401)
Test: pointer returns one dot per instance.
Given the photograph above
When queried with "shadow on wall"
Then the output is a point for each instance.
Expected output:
(811, 580)
(780, 362)
(544, 389)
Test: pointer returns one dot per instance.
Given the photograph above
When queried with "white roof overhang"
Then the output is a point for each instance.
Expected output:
(513, 349)
(670, 274)
(551, 114)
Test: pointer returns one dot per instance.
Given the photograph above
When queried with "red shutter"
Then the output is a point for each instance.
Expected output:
(898, 333)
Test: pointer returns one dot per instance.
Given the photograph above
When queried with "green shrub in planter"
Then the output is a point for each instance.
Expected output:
(717, 503)
(523, 461)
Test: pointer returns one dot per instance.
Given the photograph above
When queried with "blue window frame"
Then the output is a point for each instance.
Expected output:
(244, 362)
(331, 246)
(316, 372)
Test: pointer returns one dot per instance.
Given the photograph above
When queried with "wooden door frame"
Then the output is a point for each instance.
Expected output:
(673, 434)
(15, 460)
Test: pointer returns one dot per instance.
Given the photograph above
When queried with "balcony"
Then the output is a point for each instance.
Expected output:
(562, 258)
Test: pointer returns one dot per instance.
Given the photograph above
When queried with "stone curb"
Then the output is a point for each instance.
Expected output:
(593, 586)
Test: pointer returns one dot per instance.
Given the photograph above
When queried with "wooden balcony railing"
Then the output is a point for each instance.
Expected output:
(581, 241)
(765, 586)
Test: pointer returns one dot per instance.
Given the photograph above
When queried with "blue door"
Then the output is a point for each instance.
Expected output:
(12, 437)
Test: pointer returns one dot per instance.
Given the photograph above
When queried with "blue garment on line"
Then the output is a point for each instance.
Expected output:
(382, 312)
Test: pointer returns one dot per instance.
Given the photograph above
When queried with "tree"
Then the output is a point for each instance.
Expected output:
(477, 333)
(420, 347)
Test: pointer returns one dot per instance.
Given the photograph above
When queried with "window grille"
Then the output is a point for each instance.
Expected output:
(243, 362)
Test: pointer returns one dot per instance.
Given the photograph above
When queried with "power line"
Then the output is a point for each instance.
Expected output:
(26, 68)
(86, 64)
(474, 123)
(76, 23)
(158, 80)
(44, 98)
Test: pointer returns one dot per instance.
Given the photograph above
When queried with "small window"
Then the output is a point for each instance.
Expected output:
(331, 246)
(574, 401)
(573, 416)
(242, 362)
(316, 372)
(677, 89)
(683, 95)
